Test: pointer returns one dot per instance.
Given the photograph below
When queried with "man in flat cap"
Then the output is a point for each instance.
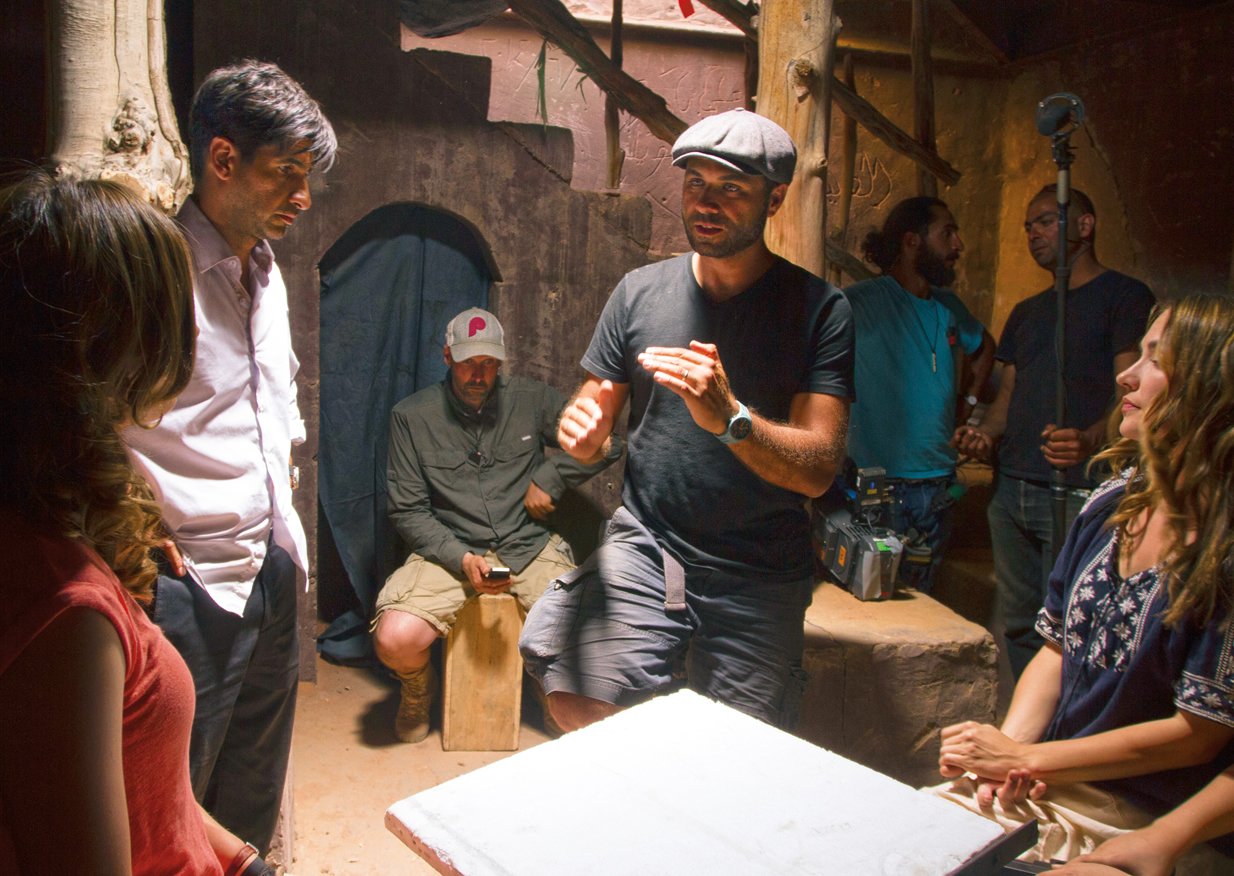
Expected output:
(739, 371)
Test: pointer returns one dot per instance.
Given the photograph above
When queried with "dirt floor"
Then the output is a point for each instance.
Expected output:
(348, 768)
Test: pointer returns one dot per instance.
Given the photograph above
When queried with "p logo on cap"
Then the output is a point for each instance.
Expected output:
(475, 332)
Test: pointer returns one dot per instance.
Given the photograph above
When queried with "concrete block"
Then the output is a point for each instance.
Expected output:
(885, 677)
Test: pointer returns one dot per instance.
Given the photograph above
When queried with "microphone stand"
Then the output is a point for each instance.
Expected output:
(1063, 157)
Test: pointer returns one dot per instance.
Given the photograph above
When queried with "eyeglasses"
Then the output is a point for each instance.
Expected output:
(1045, 222)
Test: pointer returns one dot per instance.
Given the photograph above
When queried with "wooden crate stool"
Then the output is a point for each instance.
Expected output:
(483, 689)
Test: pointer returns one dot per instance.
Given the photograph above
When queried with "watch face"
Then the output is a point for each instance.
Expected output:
(740, 428)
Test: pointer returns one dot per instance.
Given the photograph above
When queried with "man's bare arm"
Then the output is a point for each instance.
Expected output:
(803, 454)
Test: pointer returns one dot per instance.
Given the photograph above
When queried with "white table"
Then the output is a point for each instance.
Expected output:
(682, 785)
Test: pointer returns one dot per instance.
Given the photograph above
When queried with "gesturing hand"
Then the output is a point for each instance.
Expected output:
(696, 375)
(586, 423)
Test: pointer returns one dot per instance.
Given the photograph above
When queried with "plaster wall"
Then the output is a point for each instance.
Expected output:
(1155, 154)
(698, 71)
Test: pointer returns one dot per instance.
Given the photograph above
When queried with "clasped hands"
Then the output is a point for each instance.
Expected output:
(696, 374)
(997, 760)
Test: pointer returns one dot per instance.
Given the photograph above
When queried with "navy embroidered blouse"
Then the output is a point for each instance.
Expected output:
(1121, 664)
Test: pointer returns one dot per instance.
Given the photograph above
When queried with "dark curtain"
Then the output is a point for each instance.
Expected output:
(388, 288)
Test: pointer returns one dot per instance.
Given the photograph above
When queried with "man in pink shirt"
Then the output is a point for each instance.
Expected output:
(219, 461)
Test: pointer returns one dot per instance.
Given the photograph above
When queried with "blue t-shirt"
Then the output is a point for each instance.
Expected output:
(1105, 316)
(906, 394)
(1121, 664)
(788, 333)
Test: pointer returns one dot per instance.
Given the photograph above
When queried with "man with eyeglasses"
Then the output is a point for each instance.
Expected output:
(1106, 312)
(471, 493)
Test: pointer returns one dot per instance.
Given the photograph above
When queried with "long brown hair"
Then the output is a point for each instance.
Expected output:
(98, 331)
(1183, 464)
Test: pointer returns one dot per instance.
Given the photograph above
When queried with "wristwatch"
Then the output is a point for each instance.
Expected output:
(739, 427)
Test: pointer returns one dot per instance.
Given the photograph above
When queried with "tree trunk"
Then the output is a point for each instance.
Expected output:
(109, 105)
(796, 47)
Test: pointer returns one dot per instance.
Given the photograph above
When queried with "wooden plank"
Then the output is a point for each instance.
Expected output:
(848, 170)
(553, 21)
(838, 257)
(923, 92)
(877, 124)
(739, 14)
(612, 119)
(483, 690)
(973, 32)
(597, 802)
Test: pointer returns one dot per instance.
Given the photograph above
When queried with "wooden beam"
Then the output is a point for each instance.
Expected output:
(839, 257)
(973, 31)
(737, 13)
(553, 21)
(891, 134)
(923, 92)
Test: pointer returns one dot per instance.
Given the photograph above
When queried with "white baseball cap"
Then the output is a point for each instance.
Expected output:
(475, 332)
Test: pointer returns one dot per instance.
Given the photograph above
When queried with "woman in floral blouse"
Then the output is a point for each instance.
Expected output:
(1128, 709)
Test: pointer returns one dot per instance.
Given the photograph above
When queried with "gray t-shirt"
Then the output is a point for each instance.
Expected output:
(788, 333)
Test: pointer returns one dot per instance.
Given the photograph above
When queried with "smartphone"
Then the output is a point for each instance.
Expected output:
(498, 572)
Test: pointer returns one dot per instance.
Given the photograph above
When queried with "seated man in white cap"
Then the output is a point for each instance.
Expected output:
(739, 371)
(470, 491)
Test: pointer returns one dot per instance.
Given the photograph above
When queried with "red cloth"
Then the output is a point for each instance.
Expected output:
(45, 575)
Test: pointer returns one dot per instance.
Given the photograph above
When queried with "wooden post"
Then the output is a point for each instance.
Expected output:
(848, 171)
(923, 91)
(796, 47)
(612, 118)
(483, 690)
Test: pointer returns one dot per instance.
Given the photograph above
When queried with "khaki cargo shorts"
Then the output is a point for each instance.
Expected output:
(427, 590)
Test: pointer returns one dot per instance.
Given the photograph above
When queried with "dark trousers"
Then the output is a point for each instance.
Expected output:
(245, 671)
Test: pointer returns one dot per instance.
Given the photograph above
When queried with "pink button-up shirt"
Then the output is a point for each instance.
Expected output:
(218, 462)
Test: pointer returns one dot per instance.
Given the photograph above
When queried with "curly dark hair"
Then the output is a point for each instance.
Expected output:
(882, 248)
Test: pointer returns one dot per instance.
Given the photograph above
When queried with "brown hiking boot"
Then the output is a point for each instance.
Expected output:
(415, 697)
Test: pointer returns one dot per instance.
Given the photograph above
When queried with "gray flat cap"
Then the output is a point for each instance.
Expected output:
(744, 141)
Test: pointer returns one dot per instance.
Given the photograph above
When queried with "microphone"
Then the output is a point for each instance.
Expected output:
(1058, 112)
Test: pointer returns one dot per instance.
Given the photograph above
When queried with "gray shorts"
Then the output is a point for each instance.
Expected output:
(603, 631)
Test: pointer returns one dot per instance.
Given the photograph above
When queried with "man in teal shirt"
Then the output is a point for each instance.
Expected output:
(922, 360)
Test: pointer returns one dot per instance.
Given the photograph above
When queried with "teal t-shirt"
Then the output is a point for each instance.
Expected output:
(904, 415)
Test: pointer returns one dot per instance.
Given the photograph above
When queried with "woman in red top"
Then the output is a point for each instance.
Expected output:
(97, 331)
